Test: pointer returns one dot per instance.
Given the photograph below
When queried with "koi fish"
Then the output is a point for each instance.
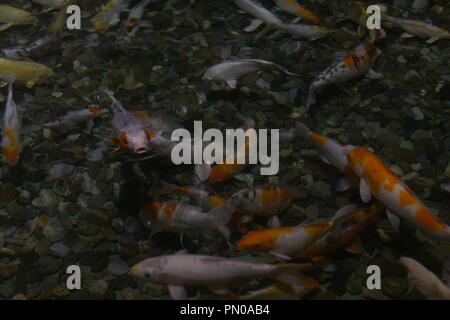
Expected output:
(230, 167)
(130, 131)
(202, 196)
(135, 17)
(258, 11)
(11, 145)
(426, 281)
(283, 291)
(233, 70)
(348, 222)
(73, 118)
(378, 180)
(262, 201)
(284, 243)
(14, 16)
(43, 44)
(357, 12)
(331, 152)
(292, 7)
(419, 29)
(182, 269)
(178, 217)
(109, 15)
(27, 72)
(355, 64)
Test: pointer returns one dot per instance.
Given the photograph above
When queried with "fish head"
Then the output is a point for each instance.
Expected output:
(138, 142)
(46, 76)
(149, 269)
(262, 240)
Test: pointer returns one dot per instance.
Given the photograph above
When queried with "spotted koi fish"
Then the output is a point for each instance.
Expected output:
(284, 243)
(11, 145)
(178, 217)
(262, 201)
(378, 180)
(72, 118)
(292, 7)
(355, 64)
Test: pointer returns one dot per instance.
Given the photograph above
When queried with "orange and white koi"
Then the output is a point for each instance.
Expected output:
(348, 222)
(230, 167)
(355, 64)
(378, 180)
(109, 15)
(135, 17)
(202, 196)
(130, 131)
(73, 118)
(419, 29)
(292, 7)
(331, 152)
(262, 201)
(11, 144)
(183, 269)
(178, 217)
(284, 243)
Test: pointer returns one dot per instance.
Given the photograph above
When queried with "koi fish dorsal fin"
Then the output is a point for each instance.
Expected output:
(364, 191)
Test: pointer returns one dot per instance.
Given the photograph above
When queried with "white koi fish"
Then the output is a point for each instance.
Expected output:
(182, 269)
(135, 17)
(426, 281)
(258, 11)
(233, 70)
(419, 29)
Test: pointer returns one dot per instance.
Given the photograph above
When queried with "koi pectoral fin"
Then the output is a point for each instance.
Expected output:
(364, 191)
(325, 264)
(432, 40)
(393, 219)
(178, 292)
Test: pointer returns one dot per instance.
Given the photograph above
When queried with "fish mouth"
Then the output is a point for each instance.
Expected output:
(141, 150)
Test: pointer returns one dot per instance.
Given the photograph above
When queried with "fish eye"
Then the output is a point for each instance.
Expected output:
(147, 275)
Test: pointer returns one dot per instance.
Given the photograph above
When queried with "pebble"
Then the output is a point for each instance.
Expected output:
(45, 199)
(59, 249)
(61, 169)
(54, 230)
(418, 114)
(99, 287)
(131, 225)
(419, 4)
(420, 135)
(312, 212)
(117, 266)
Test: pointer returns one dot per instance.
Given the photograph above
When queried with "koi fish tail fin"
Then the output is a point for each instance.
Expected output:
(220, 216)
(289, 273)
(302, 130)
